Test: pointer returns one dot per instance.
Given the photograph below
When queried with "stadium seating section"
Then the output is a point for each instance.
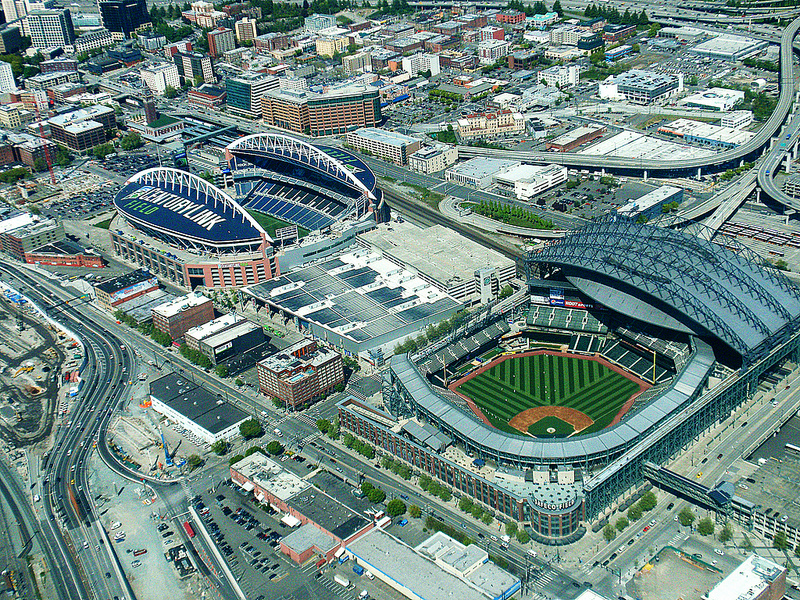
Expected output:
(570, 319)
(587, 344)
(300, 206)
(675, 351)
(616, 352)
(468, 346)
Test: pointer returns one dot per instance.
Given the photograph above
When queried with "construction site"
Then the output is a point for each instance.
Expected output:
(37, 361)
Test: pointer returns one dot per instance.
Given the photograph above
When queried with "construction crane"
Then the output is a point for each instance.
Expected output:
(44, 141)
(167, 457)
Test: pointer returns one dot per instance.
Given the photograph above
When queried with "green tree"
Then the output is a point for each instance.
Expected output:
(63, 157)
(425, 481)
(466, 504)
(705, 526)
(170, 92)
(219, 447)
(131, 141)
(648, 501)
(376, 495)
(726, 533)
(102, 151)
(505, 292)
(39, 164)
(253, 449)
(207, 176)
(487, 518)
(609, 533)
(275, 448)
(477, 512)
(445, 493)
(251, 429)
(523, 537)
(221, 371)
(746, 544)
(414, 511)
(635, 512)
(194, 461)
(395, 508)
(236, 458)
(511, 528)
(239, 382)
(323, 425)
(686, 517)
(621, 524)
(779, 541)
(557, 8)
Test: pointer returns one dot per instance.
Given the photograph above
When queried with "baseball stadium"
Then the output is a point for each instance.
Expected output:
(281, 201)
(553, 405)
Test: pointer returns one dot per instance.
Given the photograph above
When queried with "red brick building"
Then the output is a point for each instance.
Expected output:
(180, 315)
(300, 374)
(510, 17)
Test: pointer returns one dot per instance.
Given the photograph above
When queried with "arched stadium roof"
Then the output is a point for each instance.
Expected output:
(295, 149)
(186, 206)
(728, 293)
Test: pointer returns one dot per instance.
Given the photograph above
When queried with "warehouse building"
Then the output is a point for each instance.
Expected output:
(178, 316)
(527, 181)
(113, 292)
(706, 134)
(650, 205)
(200, 411)
(460, 267)
(720, 99)
(737, 119)
(235, 341)
(730, 48)
(300, 374)
(194, 335)
(575, 138)
(324, 520)
(438, 569)
(641, 87)
(479, 171)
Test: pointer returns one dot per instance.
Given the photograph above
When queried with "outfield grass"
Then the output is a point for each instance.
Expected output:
(518, 384)
(562, 428)
(270, 223)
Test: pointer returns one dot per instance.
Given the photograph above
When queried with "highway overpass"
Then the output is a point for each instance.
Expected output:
(783, 150)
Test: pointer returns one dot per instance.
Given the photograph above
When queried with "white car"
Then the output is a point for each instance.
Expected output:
(136, 563)
(115, 525)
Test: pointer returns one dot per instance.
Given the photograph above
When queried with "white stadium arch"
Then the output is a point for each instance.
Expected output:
(183, 180)
(286, 146)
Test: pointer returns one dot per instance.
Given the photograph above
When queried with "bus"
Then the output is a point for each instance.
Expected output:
(793, 448)
(188, 528)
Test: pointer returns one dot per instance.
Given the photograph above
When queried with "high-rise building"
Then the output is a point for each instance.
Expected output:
(123, 17)
(315, 23)
(14, 9)
(51, 28)
(192, 65)
(246, 29)
(332, 113)
(10, 40)
(158, 77)
(245, 93)
(220, 40)
(7, 83)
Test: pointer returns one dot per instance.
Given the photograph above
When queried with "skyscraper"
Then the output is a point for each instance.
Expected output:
(51, 28)
(123, 17)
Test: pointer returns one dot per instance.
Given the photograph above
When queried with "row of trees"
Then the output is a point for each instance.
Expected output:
(538, 8)
(612, 15)
(432, 333)
(645, 504)
(195, 356)
(364, 449)
(444, 96)
(468, 505)
(511, 214)
(159, 337)
(397, 467)
(434, 488)
(373, 494)
(514, 530)
(731, 173)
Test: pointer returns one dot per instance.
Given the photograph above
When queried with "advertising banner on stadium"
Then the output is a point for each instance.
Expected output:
(556, 297)
(539, 299)
(577, 304)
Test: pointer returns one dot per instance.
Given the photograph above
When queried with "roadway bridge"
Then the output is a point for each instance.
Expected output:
(726, 159)
(784, 151)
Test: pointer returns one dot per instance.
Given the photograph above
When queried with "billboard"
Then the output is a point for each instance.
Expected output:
(134, 290)
(556, 297)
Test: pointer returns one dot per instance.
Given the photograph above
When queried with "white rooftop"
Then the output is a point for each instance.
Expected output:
(16, 221)
(385, 137)
(480, 167)
(172, 308)
(270, 476)
(206, 329)
(630, 144)
(748, 581)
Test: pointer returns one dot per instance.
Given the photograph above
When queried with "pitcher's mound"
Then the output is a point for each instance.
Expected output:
(526, 421)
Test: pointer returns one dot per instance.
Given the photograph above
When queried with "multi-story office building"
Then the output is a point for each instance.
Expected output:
(34, 235)
(14, 9)
(10, 39)
(208, 96)
(329, 46)
(245, 93)
(301, 373)
(245, 30)
(357, 62)
(386, 144)
(643, 87)
(315, 23)
(491, 32)
(62, 64)
(487, 125)
(93, 40)
(420, 63)
(489, 51)
(193, 67)
(46, 81)
(7, 83)
(433, 159)
(123, 17)
(220, 40)
(83, 129)
(158, 77)
(271, 41)
(51, 28)
(560, 76)
(179, 315)
(331, 113)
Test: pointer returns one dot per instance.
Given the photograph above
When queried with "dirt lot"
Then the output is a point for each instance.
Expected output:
(673, 577)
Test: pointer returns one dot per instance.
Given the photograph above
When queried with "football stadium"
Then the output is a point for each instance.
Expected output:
(559, 405)
(282, 202)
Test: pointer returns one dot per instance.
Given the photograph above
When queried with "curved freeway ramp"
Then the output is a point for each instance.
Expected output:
(653, 167)
(772, 164)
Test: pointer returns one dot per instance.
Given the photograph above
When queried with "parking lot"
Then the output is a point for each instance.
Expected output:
(127, 165)
(83, 205)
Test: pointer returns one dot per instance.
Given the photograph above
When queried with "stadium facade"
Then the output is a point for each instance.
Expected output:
(192, 233)
(677, 302)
